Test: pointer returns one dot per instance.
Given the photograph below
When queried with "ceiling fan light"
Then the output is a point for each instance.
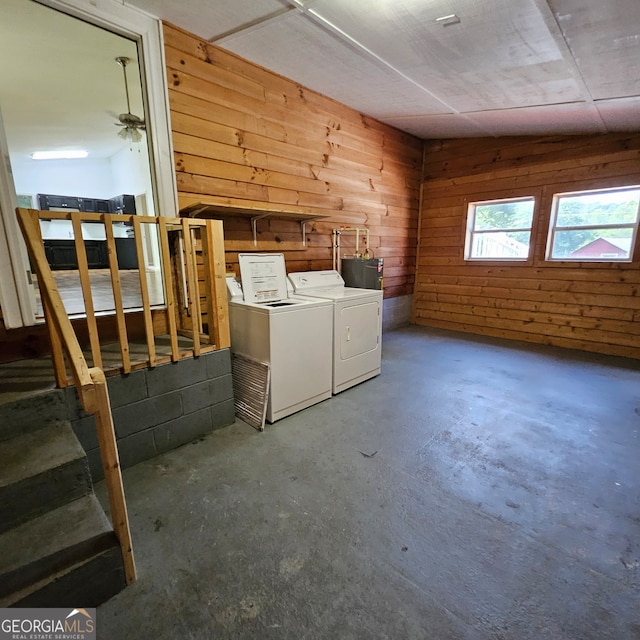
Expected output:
(124, 133)
(135, 135)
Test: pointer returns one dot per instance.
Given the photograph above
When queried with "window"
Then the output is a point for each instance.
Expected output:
(598, 226)
(499, 229)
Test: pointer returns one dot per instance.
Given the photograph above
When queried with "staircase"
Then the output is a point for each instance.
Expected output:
(57, 547)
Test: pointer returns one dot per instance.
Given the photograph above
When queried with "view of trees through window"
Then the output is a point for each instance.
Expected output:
(590, 225)
(500, 229)
(598, 225)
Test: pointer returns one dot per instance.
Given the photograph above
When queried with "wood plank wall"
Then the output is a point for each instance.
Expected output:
(588, 306)
(244, 135)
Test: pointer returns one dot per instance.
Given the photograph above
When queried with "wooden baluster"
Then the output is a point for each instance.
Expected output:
(144, 292)
(215, 242)
(208, 268)
(34, 234)
(117, 293)
(192, 286)
(85, 282)
(168, 288)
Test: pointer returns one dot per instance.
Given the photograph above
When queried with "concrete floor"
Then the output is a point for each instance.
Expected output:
(475, 490)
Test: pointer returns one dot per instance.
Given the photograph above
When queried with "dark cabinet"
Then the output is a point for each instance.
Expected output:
(126, 252)
(123, 204)
(61, 254)
(92, 205)
(119, 204)
(47, 202)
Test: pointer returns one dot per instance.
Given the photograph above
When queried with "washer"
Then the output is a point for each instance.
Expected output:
(357, 325)
(292, 334)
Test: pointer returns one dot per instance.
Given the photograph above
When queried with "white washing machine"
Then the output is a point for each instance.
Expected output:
(292, 334)
(357, 325)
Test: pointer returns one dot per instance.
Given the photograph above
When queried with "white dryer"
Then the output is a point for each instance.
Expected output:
(290, 333)
(357, 325)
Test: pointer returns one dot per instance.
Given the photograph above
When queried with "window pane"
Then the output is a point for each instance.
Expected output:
(501, 245)
(593, 244)
(613, 207)
(504, 215)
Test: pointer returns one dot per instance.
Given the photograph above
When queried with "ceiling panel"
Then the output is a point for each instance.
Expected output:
(208, 19)
(553, 119)
(604, 38)
(502, 54)
(620, 115)
(315, 58)
(439, 126)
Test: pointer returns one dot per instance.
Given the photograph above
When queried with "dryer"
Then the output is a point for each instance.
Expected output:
(357, 325)
(292, 334)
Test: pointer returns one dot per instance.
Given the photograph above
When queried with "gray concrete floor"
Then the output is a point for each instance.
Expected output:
(502, 502)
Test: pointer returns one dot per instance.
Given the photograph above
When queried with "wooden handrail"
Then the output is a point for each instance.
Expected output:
(184, 297)
(91, 384)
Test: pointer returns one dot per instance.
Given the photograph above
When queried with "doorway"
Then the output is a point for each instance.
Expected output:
(62, 89)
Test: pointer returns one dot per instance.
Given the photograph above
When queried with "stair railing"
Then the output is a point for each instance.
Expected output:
(90, 383)
(193, 306)
(182, 297)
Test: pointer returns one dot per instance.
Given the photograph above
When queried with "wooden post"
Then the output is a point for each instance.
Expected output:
(168, 287)
(112, 472)
(85, 282)
(215, 248)
(144, 291)
(117, 293)
(192, 286)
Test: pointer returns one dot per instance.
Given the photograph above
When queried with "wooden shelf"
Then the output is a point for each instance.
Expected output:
(215, 210)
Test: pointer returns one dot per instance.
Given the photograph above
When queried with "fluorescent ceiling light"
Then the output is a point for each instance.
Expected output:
(59, 155)
(445, 21)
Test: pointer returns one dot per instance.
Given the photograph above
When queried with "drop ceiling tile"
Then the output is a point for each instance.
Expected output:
(620, 115)
(502, 53)
(207, 19)
(578, 118)
(318, 60)
(604, 38)
(438, 126)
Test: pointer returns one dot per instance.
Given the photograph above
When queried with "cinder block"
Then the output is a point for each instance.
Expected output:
(136, 448)
(131, 450)
(218, 363)
(148, 413)
(126, 389)
(177, 432)
(223, 414)
(206, 394)
(169, 377)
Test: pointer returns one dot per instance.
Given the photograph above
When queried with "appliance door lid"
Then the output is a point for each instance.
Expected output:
(305, 281)
(263, 275)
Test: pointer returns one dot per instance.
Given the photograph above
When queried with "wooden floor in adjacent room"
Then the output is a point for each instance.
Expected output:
(68, 283)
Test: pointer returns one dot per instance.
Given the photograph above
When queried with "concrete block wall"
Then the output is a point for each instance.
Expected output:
(396, 312)
(156, 410)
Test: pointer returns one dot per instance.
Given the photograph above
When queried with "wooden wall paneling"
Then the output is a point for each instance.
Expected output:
(580, 305)
(244, 135)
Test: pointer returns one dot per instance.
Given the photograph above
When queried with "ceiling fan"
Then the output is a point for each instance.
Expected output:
(130, 123)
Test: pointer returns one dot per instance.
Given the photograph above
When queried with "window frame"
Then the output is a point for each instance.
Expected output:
(553, 228)
(470, 233)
